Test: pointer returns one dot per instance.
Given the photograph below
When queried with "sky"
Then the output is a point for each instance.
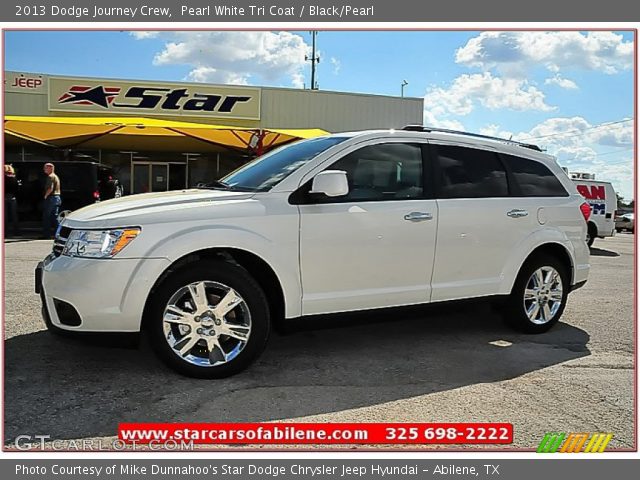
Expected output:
(571, 92)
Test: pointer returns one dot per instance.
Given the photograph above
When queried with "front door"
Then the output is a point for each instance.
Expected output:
(375, 246)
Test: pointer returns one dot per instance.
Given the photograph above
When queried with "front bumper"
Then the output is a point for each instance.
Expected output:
(108, 295)
(40, 291)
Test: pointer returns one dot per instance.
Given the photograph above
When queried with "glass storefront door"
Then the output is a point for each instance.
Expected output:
(157, 177)
(140, 178)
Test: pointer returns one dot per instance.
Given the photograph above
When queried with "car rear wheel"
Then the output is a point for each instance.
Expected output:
(539, 295)
(592, 232)
(209, 320)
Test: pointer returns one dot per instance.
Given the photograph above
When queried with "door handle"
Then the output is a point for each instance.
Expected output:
(418, 216)
(517, 213)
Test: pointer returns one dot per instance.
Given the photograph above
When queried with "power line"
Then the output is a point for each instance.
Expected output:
(580, 132)
(612, 152)
(607, 153)
(620, 162)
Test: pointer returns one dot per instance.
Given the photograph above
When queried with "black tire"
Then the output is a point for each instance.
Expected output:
(592, 233)
(220, 272)
(514, 312)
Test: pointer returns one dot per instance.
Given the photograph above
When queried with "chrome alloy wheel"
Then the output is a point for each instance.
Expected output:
(543, 295)
(207, 323)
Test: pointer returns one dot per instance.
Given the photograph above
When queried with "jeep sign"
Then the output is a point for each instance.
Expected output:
(24, 83)
(108, 97)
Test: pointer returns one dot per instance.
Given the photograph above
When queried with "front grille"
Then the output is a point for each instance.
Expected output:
(61, 240)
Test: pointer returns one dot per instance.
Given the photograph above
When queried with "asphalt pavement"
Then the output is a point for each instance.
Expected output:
(453, 364)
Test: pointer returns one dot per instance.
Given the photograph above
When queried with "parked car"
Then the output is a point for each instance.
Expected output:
(82, 182)
(340, 223)
(626, 222)
(603, 201)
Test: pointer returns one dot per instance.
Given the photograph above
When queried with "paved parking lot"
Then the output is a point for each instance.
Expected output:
(423, 366)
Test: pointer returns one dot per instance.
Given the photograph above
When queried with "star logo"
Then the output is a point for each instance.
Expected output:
(82, 95)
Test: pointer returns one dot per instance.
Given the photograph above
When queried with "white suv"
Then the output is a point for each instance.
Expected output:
(345, 222)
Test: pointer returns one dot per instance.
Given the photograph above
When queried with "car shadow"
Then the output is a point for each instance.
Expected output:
(72, 388)
(601, 252)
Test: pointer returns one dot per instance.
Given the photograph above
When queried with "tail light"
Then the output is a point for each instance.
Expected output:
(585, 208)
(96, 196)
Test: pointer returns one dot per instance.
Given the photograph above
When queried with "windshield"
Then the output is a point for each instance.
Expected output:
(268, 170)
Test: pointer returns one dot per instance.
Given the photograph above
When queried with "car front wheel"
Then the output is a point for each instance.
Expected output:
(209, 320)
(539, 295)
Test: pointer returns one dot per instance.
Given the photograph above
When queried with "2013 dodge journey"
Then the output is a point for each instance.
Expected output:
(340, 223)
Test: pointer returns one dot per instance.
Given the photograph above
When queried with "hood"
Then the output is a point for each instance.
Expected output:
(133, 208)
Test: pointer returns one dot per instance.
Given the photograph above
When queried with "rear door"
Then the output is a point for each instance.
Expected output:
(595, 195)
(480, 223)
(78, 184)
(611, 202)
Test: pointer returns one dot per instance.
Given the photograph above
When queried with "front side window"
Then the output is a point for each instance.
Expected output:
(533, 178)
(470, 173)
(389, 171)
(266, 171)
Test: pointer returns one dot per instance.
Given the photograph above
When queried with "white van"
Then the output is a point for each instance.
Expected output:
(603, 201)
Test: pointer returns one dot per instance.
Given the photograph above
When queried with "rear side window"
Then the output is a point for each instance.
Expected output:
(470, 173)
(534, 178)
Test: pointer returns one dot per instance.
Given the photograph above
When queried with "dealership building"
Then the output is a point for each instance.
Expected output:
(170, 135)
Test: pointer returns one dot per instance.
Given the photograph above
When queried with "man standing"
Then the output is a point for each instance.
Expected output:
(52, 202)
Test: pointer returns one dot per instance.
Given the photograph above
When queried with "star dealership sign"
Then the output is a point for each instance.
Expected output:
(81, 95)
(142, 98)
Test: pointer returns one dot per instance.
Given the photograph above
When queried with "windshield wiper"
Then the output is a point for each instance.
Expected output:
(220, 185)
(215, 185)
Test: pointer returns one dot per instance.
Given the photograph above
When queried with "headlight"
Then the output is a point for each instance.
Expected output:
(98, 243)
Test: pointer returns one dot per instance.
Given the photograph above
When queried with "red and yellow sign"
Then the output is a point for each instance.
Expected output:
(115, 97)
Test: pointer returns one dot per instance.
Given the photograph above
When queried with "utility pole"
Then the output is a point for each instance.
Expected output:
(314, 60)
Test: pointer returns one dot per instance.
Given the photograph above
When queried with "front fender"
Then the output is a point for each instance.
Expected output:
(278, 248)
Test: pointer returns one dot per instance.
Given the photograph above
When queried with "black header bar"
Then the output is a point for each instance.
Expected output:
(203, 11)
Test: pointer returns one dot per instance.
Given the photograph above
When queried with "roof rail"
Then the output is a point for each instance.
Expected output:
(422, 128)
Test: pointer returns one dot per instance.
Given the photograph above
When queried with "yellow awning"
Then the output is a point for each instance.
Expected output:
(12, 138)
(141, 133)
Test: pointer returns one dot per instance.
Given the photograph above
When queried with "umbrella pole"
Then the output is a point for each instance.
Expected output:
(209, 142)
(92, 137)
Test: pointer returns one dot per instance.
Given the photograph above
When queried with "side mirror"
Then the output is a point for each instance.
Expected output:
(332, 183)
